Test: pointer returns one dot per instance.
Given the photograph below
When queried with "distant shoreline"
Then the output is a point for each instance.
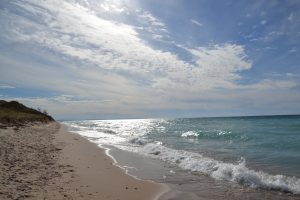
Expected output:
(237, 116)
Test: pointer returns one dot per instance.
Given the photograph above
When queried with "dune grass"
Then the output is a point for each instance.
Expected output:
(11, 112)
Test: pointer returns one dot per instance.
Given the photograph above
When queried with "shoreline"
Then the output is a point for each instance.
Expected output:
(93, 165)
(45, 161)
(182, 184)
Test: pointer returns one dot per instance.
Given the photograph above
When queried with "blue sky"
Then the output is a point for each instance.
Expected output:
(148, 58)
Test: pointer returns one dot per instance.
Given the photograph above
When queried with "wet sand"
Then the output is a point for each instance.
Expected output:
(44, 161)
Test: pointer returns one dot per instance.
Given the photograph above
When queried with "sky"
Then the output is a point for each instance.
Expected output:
(111, 59)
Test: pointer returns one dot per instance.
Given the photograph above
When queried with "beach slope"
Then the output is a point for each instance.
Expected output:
(44, 161)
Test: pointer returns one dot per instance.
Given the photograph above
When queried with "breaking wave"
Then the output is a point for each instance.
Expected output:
(189, 134)
(219, 170)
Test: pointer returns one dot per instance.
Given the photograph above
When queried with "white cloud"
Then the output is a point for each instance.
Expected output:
(263, 22)
(6, 86)
(292, 75)
(291, 17)
(269, 84)
(109, 7)
(196, 22)
(293, 50)
(124, 12)
(269, 37)
(110, 68)
(248, 15)
(117, 47)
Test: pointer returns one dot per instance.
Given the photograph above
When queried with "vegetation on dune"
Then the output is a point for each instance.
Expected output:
(15, 112)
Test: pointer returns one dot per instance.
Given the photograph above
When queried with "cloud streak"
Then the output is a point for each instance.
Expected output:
(6, 86)
(196, 22)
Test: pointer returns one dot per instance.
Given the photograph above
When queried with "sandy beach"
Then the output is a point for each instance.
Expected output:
(44, 161)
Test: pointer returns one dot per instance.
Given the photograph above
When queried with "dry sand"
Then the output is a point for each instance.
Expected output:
(45, 161)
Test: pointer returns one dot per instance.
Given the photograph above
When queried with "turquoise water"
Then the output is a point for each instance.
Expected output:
(264, 142)
(260, 152)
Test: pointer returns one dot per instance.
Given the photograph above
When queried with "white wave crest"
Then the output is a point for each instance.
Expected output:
(238, 172)
(190, 134)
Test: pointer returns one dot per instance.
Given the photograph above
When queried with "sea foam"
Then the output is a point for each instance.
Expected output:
(219, 170)
(189, 134)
